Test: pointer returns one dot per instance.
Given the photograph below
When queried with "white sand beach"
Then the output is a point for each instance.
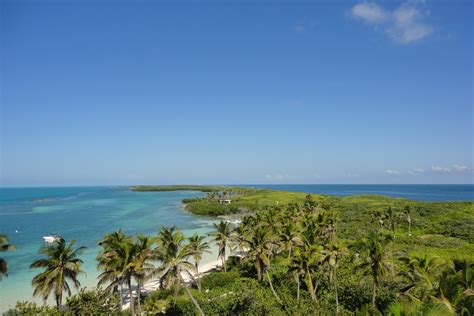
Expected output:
(154, 284)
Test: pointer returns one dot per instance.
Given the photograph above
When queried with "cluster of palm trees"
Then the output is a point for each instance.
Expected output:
(125, 258)
(430, 279)
(305, 234)
(388, 218)
(122, 260)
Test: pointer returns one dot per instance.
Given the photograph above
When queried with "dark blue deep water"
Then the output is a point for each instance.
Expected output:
(420, 192)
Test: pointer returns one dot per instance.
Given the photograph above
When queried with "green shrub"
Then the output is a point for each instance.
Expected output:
(24, 308)
(219, 279)
(92, 302)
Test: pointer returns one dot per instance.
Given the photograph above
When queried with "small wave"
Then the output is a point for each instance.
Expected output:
(43, 200)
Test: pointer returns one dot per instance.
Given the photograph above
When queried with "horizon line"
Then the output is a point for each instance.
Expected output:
(230, 185)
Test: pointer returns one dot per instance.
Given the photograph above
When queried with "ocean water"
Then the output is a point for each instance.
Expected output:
(85, 215)
(419, 192)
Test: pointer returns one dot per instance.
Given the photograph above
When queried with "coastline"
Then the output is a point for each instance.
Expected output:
(152, 285)
(99, 210)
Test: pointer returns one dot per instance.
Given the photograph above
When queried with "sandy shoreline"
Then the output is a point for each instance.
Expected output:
(154, 284)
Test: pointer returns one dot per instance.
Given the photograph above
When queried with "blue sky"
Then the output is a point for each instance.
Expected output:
(127, 92)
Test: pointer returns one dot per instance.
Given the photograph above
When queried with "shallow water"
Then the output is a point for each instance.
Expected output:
(85, 215)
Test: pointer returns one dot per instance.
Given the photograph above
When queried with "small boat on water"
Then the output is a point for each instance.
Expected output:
(51, 238)
(233, 221)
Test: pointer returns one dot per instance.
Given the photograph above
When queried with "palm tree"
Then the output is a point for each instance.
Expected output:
(289, 236)
(379, 218)
(112, 261)
(174, 254)
(297, 268)
(238, 238)
(390, 218)
(374, 255)
(331, 253)
(416, 308)
(198, 246)
(4, 246)
(456, 283)
(122, 259)
(141, 266)
(60, 265)
(310, 256)
(407, 212)
(309, 204)
(221, 236)
(421, 271)
(261, 247)
(271, 217)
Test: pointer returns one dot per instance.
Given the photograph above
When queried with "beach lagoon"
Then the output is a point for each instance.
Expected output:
(83, 214)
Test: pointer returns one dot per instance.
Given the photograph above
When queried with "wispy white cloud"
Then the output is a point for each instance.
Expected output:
(392, 172)
(370, 12)
(408, 25)
(276, 176)
(416, 171)
(439, 169)
(404, 25)
(456, 168)
(304, 25)
(460, 168)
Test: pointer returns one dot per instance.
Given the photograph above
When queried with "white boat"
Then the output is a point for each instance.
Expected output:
(51, 238)
(233, 221)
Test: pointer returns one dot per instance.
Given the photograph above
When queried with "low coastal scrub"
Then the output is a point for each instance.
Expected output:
(291, 254)
(164, 188)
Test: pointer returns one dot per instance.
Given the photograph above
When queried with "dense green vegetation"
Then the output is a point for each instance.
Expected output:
(442, 228)
(297, 255)
(162, 188)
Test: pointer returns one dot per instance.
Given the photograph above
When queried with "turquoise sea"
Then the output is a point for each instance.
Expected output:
(87, 213)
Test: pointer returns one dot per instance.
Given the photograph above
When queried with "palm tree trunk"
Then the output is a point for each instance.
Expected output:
(132, 303)
(139, 294)
(374, 293)
(335, 290)
(198, 277)
(58, 300)
(223, 260)
(259, 271)
(192, 298)
(309, 282)
(316, 287)
(297, 287)
(271, 286)
(121, 295)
